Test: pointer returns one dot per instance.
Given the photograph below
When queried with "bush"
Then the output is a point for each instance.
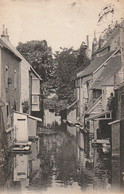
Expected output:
(25, 105)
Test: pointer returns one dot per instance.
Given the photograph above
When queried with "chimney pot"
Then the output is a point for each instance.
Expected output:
(3, 32)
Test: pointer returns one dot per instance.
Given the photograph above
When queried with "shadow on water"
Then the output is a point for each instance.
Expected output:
(57, 161)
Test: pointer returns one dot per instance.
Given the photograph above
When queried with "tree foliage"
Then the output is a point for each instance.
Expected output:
(59, 73)
(39, 55)
(69, 62)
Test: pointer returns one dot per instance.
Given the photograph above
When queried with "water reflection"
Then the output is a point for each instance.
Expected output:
(58, 161)
(118, 173)
(21, 170)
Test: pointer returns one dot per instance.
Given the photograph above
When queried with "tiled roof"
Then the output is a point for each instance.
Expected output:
(107, 75)
(97, 62)
(5, 45)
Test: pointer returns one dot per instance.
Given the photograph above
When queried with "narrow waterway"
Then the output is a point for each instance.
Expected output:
(57, 164)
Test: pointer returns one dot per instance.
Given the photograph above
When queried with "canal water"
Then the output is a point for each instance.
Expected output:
(57, 164)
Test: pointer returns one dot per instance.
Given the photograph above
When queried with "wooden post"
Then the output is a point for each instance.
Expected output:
(95, 131)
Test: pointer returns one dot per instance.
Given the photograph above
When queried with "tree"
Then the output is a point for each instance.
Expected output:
(69, 62)
(59, 73)
(39, 55)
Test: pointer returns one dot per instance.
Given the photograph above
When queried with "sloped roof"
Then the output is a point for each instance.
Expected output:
(113, 33)
(5, 45)
(98, 115)
(93, 105)
(97, 62)
(10, 47)
(107, 75)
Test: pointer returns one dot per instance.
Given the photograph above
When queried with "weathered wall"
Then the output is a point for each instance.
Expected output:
(119, 94)
(116, 139)
(32, 127)
(10, 95)
(71, 116)
(106, 91)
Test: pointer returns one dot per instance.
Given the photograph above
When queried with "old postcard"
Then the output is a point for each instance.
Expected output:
(61, 96)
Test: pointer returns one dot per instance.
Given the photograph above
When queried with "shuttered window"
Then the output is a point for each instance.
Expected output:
(35, 103)
(35, 86)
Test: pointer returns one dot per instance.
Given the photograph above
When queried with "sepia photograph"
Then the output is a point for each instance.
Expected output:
(61, 96)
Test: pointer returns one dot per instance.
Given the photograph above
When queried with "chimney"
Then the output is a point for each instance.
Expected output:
(94, 43)
(88, 51)
(87, 41)
(5, 33)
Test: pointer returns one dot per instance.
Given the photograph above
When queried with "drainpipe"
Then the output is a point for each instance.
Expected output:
(80, 97)
(122, 48)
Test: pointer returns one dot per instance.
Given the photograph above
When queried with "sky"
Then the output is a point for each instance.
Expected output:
(62, 23)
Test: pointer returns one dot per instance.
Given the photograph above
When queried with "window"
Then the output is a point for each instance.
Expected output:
(35, 86)
(96, 93)
(35, 103)
(15, 79)
(35, 99)
(6, 77)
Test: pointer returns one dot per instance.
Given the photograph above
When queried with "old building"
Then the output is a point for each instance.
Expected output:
(30, 81)
(96, 83)
(10, 83)
(117, 135)
(20, 90)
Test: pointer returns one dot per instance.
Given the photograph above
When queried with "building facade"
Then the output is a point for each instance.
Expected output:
(96, 83)
(20, 90)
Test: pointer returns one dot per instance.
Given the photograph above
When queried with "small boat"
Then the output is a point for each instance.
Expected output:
(21, 149)
(21, 152)
(22, 143)
(100, 142)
